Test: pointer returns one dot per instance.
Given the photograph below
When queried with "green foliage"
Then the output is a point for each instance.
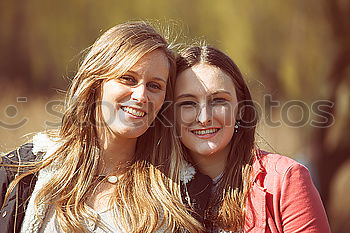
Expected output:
(280, 43)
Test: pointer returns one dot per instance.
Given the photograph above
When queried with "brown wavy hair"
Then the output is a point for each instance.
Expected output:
(147, 196)
(235, 182)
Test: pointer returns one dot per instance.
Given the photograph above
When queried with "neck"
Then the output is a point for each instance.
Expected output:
(211, 165)
(116, 155)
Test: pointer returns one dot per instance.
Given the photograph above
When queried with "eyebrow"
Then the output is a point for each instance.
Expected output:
(214, 93)
(159, 79)
(221, 92)
(185, 95)
(156, 78)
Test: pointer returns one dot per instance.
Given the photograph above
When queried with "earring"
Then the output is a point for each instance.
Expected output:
(237, 124)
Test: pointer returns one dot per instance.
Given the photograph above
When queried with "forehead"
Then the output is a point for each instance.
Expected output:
(203, 79)
(153, 62)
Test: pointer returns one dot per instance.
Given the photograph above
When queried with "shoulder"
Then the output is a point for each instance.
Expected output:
(22, 154)
(275, 164)
(30, 152)
(274, 171)
(40, 147)
(292, 194)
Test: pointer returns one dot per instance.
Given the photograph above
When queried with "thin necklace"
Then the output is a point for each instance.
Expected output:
(110, 179)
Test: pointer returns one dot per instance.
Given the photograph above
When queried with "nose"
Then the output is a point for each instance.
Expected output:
(204, 115)
(139, 93)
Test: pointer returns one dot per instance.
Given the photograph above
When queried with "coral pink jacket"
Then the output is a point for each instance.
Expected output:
(283, 198)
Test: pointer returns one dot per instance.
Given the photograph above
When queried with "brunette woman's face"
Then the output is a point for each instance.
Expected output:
(206, 106)
(131, 102)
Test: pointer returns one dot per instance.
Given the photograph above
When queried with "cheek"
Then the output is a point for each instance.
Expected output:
(225, 115)
(108, 108)
(157, 100)
(186, 115)
(109, 114)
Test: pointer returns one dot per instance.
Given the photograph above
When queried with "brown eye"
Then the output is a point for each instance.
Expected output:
(219, 101)
(187, 103)
(128, 80)
(154, 85)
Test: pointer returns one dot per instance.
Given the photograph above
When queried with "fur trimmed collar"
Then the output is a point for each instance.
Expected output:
(33, 219)
(187, 172)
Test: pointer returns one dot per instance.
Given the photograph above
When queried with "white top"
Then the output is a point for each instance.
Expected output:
(109, 223)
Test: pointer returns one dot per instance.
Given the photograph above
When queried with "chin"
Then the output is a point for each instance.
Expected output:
(132, 135)
(129, 132)
(204, 151)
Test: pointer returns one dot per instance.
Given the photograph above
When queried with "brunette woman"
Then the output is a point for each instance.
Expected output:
(236, 187)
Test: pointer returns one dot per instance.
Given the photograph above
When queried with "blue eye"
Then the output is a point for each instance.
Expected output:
(128, 80)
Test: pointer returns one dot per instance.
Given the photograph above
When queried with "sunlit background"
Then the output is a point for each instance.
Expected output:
(295, 55)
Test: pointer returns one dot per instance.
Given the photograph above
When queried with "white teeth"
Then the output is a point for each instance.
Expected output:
(133, 111)
(206, 131)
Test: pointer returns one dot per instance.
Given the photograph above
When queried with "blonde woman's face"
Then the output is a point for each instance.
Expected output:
(206, 106)
(131, 102)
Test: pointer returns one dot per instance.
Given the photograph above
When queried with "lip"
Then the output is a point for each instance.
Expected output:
(206, 135)
(133, 112)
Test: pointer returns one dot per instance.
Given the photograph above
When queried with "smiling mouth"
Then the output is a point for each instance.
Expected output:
(205, 132)
(133, 111)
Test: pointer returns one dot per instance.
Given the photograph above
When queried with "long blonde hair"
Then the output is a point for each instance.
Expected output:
(149, 191)
(235, 183)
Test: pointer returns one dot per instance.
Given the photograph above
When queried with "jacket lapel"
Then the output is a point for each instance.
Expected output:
(255, 220)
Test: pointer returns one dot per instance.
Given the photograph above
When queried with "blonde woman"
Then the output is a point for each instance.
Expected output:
(110, 167)
(236, 187)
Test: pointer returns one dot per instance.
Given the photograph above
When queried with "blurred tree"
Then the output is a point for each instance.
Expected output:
(330, 155)
(14, 63)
